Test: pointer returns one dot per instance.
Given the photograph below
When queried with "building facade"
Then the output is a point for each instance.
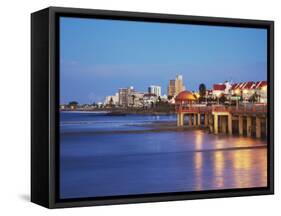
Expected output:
(176, 86)
(251, 91)
(149, 100)
(112, 99)
(222, 89)
(171, 88)
(153, 89)
(126, 96)
(137, 100)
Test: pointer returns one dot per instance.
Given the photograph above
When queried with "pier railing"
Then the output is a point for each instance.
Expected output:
(241, 109)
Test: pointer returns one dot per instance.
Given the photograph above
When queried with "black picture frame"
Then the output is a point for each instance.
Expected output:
(45, 103)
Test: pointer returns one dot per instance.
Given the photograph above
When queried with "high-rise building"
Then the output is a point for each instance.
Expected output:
(153, 89)
(171, 88)
(179, 86)
(126, 96)
(176, 86)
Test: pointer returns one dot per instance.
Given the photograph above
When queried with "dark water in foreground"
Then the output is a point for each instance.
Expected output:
(132, 162)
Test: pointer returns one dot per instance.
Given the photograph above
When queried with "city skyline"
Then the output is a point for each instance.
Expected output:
(93, 64)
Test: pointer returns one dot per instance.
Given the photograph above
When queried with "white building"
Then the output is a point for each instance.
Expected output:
(99, 104)
(126, 96)
(153, 89)
(164, 97)
(149, 100)
(112, 99)
(247, 89)
(221, 89)
(137, 99)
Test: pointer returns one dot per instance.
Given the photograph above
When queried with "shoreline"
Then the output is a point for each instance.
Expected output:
(152, 130)
(157, 127)
(151, 127)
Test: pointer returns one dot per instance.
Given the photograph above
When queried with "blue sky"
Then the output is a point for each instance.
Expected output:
(100, 56)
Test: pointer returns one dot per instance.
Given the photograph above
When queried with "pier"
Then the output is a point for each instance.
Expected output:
(245, 120)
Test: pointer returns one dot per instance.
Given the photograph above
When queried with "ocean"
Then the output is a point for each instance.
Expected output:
(103, 155)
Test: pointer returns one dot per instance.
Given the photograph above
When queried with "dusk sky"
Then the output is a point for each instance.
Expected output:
(97, 57)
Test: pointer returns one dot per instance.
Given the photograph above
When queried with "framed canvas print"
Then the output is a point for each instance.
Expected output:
(138, 107)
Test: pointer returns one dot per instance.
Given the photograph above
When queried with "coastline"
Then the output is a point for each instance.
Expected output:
(152, 126)
(151, 130)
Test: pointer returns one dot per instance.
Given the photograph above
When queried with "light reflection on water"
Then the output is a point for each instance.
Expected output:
(232, 169)
(137, 163)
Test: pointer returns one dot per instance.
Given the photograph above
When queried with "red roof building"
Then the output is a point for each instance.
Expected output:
(219, 87)
(247, 89)
(248, 85)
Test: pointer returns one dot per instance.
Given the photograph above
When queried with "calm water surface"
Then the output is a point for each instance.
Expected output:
(109, 155)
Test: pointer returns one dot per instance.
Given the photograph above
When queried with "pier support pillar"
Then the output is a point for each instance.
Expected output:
(206, 119)
(211, 123)
(216, 124)
(180, 119)
(223, 124)
(211, 120)
(194, 120)
(258, 127)
(249, 126)
(190, 120)
(230, 124)
(198, 119)
(240, 125)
